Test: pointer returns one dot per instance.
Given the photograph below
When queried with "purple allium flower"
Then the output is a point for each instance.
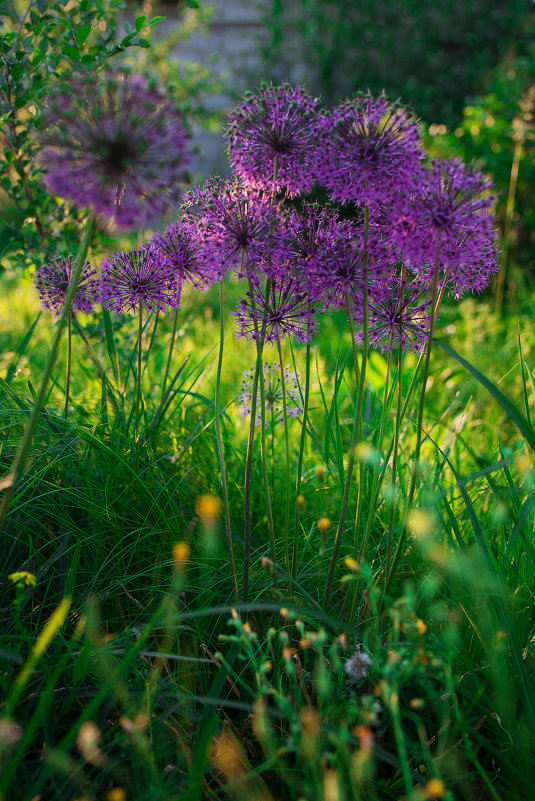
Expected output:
(271, 138)
(273, 393)
(398, 315)
(53, 280)
(357, 665)
(357, 258)
(116, 143)
(230, 224)
(368, 149)
(447, 223)
(138, 278)
(286, 310)
(182, 256)
(304, 242)
(470, 262)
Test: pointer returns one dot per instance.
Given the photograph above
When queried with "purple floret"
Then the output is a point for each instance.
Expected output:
(447, 221)
(181, 253)
(399, 314)
(53, 280)
(356, 259)
(231, 225)
(136, 279)
(304, 242)
(117, 144)
(286, 310)
(368, 149)
(271, 139)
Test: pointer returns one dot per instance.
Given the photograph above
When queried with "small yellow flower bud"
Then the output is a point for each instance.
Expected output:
(421, 626)
(181, 552)
(320, 473)
(435, 788)
(117, 794)
(323, 524)
(208, 507)
(301, 501)
(351, 564)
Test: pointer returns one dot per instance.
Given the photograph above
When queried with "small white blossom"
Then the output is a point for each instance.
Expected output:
(357, 665)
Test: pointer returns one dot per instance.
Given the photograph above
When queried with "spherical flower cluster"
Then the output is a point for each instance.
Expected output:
(303, 244)
(398, 315)
(181, 255)
(370, 148)
(273, 393)
(116, 143)
(230, 224)
(446, 225)
(271, 138)
(53, 280)
(138, 279)
(283, 308)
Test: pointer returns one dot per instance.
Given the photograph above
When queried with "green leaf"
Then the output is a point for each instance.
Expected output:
(507, 405)
(140, 22)
(193, 3)
(70, 51)
(82, 32)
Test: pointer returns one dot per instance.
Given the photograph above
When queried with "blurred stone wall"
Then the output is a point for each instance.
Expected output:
(229, 46)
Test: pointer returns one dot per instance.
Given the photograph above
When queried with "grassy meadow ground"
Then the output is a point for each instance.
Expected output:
(131, 670)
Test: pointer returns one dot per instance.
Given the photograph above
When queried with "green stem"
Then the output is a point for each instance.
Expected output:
(357, 423)
(138, 377)
(300, 461)
(394, 466)
(287, 444)
(224, 486)
(263, 454)
(435, 299)
(17, 466)
(170, 355)
(371, 513)
(259, 338)
(68, 369)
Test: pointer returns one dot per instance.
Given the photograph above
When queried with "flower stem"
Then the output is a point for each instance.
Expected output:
(17, 466)
(357, 427)
(224, 486)
(258, 378)
(435, 298)
(287, 445)
(170, 355)
(68, 368)
(300, 461)
(138, 377)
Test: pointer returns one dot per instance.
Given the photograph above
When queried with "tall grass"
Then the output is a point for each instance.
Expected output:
(130, 670)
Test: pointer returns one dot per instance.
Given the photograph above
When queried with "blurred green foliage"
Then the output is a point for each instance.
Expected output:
(430, 53)
(497, 131)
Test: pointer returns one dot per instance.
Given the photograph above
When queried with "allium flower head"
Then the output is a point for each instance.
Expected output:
(230, 224)
(116, 143)
(271, 138)
(287, 309)
(136, 279)
(356, 258)
(182, 255)
(398, 315)
(304, 241)
(53, 280)
(368, 149)
(447, 222)
(273, 393)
